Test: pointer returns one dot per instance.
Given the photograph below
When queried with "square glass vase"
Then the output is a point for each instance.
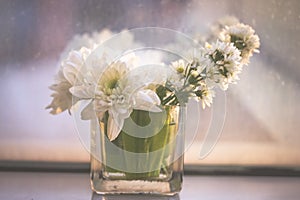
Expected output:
(146, 157)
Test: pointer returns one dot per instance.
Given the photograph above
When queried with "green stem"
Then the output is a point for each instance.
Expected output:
(158, 141)
(168, 99)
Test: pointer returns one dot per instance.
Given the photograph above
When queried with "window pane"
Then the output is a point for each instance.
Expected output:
(262, 122)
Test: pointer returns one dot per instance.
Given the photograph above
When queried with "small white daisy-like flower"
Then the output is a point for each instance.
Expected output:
(175, 77)
(222, 63)
(206, 95)
(179, 66)
(243, 37)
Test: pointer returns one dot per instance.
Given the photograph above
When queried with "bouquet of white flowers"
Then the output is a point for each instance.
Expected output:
(115, 94)
(218, 64)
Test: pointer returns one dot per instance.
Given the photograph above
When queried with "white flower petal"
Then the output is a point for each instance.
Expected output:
(147, 107)
(82, 91)
(150, 96)
(75, 57)
(147, 100)
(62, 98)
(71, 73)
(122, 111)
(114, 126)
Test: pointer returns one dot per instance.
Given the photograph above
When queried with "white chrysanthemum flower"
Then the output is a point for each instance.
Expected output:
(72, 67)
(243, 37)
(111, 77)
(70, 73)
(222, 63)
(119, 95)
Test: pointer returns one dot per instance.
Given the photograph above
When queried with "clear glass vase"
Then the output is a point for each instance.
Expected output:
(146, 157)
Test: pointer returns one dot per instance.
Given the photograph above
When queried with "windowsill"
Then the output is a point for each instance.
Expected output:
(189, 169)
(50, 185)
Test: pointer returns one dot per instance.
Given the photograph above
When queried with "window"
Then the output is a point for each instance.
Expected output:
(262, 122)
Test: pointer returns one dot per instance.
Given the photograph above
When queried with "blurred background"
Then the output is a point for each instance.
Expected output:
(262, 120)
